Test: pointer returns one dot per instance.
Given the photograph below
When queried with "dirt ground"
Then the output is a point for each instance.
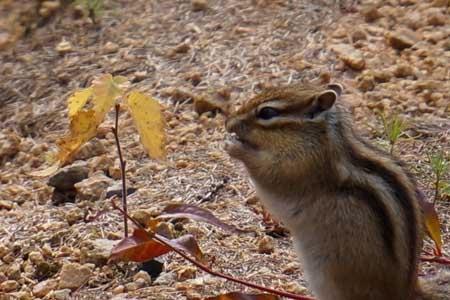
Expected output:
(391, 57)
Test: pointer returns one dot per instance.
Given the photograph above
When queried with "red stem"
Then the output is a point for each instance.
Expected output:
(115, 131)
(208, 270)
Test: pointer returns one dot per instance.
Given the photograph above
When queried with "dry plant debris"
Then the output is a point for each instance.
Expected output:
(178, 53)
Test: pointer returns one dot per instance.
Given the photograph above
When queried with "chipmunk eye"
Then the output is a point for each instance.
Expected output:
(267, 113)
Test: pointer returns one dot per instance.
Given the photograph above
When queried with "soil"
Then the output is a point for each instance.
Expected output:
(392, 57)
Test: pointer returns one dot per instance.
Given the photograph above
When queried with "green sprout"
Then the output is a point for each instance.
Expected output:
(440, 165)
(94, 8)
(393, 129)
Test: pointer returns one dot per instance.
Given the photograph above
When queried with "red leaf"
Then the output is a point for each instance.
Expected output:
(185, 243)
(241, 296)
(142, 247)
(196, 213)
(139, 247)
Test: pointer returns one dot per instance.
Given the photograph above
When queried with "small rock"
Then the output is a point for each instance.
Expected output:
(422, 85)
(359, 35)
(4, 250)
(9, 144)
(350, 56)
(116, 190)
(143, 216)
(6, 39)
(144, 276)
(9, 286)
(402, 38)
(64, 47)
(74, 215)
(131, 286)
(166, 229)
(65, 178)
(97, 251)
(266, 245)
(203, 104)
(440, 3)
(194, 77)
(435, 17)
(177, 94)
(63, 294)
(93, 148)
(44, 287)
(181, 48)
(186, 272)
(101, 163)
(414, 20)
(73, 276)
(21, 295)
(48, 8)
(5, 204)
(13, 272)
(403, 70)
(93, 187)
(118, 289)
(199, 5)
(110, 47)
(35, 257)
(371, 13)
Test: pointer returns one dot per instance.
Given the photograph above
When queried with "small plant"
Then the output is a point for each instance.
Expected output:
(393, 129)
(94, 8)
(440, 164)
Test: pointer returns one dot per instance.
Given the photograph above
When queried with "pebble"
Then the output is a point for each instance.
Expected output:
(118, 289)
(97, 251)
(116, 190)
(142, 275)
(74, 215)
(73, 276)
(63, 294)
(9, 144)
(64, 47)
(110, 47)
(402, 38)
(9, 286)
(350, 56)
(199, 5)
(266, 245)
(7, 205)
(44, 287)
(93, 187)
(66, 178)
(91, 149)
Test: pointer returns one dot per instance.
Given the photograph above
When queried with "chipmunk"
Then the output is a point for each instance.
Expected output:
(351, 208)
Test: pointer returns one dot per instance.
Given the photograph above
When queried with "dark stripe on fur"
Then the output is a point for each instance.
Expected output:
(401, 193)
(377, 206)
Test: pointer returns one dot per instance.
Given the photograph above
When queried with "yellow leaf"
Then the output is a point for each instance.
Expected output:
(105, 92)
(83, 127)
(432, 223)
(77, 101)
(147, 116)
(46, 172)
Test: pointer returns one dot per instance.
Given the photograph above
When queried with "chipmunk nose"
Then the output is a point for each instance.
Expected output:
(232, 124)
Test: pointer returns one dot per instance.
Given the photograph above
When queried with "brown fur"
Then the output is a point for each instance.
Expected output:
(352, 209)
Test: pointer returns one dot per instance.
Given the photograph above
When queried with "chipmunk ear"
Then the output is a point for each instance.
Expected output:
(326, 99)
(322, 102)
(336, 87)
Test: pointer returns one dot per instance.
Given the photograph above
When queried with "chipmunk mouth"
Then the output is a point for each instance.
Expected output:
(234, 143)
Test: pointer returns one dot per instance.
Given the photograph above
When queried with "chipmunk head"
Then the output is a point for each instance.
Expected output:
(281, 127)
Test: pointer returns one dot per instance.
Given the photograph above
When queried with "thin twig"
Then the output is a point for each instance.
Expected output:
(207, 269)
(115, 131)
